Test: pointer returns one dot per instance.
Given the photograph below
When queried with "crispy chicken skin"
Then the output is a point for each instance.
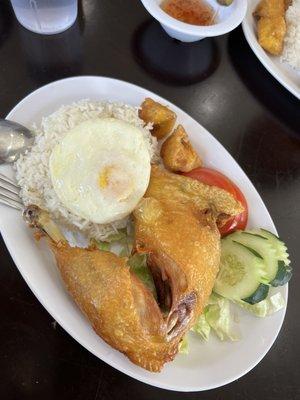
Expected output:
(177, 152)
(271, 25)
(162, 118)
(183, 255)
(175, 224)
(180, 191)
(120, 308)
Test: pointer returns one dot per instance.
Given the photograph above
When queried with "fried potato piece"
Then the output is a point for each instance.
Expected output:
(162, 118)
(177, 152)
(270, 8)
(271, 32)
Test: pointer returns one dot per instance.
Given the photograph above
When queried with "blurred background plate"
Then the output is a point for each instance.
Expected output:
(285, 74)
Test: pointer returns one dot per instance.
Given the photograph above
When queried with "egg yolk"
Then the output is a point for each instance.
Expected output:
(104, 177)
(112, 178)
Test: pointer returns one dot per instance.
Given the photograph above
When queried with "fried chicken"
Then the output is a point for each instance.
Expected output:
(175, 225)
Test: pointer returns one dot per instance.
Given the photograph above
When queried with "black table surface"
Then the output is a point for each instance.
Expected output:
(222, 85)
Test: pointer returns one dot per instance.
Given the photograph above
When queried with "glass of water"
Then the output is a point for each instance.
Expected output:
(46, 16)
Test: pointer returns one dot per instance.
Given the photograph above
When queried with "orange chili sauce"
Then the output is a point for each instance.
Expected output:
(194, 12)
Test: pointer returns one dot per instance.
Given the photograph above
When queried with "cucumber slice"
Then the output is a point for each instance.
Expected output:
(242, 274)
(283, 275)
(262, 246)
(284, 271)
(260, 294)
(278, 245)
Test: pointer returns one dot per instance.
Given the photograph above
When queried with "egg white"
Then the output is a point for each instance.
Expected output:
(101, 169)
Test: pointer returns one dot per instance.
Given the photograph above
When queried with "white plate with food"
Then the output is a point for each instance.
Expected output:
(278, 47)
(83, 183)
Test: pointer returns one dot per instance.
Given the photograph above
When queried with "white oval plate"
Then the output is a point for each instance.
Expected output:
(286, 75)
(209, 365)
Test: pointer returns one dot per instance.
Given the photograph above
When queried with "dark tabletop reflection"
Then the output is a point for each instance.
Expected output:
(6, 21)
(51, 57)
(261, 83)
(270, 153)
(172, 61)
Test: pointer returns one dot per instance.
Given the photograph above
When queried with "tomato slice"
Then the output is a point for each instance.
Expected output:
(215, 178)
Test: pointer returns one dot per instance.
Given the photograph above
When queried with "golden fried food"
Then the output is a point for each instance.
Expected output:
(270, 8)
(184, 271)
(175, 225)
(162, 118)
(120, 308)
(181, 191)
(271, 32)
(271, 26)
(177, 152)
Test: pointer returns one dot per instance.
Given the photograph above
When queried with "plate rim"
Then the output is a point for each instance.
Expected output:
(48, 308)
(266, 60)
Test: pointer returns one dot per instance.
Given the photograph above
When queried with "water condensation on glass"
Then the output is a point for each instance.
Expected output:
(46, 16)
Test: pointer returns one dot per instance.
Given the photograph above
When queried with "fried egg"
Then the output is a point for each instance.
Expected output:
(101, 169)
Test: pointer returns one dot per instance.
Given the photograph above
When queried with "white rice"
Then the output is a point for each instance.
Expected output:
(32, 169)
(291, 49)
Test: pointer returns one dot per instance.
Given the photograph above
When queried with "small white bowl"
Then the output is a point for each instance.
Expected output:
(228, 18)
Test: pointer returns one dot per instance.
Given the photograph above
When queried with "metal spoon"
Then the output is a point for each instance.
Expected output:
(15, 139)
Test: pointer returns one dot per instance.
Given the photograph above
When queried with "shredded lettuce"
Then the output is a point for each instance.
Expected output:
(121, 242)
(104, 246)
(184, 346)
(217, 314)
(123, 252)
(117, 243)
(265, 307)
(217, 318)
(202, 327)
(115, 237)
(138, 264)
